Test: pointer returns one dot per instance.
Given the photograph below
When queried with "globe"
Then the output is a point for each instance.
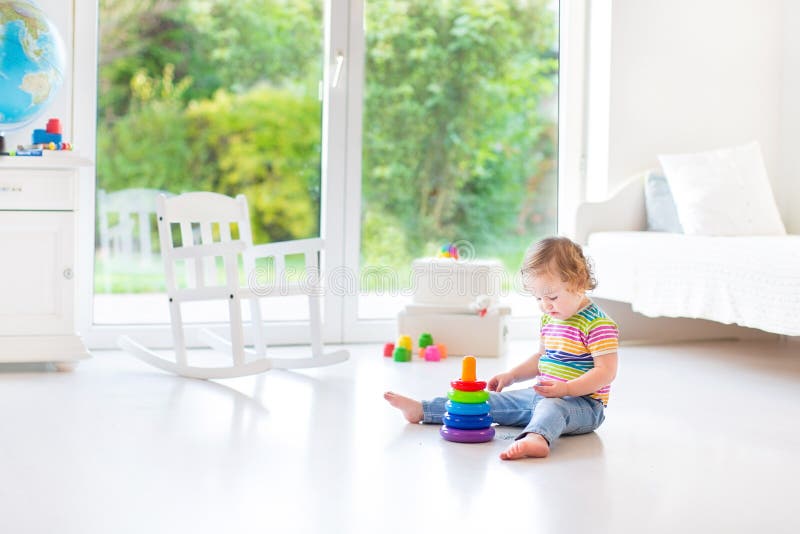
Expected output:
(31, 63)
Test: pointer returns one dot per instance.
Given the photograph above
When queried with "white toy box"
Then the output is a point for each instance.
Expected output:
(456, 301)
(462, 333)
(449, 282)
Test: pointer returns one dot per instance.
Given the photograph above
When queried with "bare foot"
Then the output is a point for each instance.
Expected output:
(531, 446)
(412, 409)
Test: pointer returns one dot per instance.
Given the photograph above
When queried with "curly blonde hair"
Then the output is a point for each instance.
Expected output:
(560, 257)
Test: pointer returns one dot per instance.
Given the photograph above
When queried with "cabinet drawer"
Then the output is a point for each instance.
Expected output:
(37, 190)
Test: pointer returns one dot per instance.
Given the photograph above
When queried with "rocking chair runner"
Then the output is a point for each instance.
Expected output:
(207, 211)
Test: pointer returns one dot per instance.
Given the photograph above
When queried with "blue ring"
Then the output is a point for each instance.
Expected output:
(467, 422)
(463, 408)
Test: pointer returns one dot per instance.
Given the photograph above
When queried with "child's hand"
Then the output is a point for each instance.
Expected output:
(551, 388)
(498, 382)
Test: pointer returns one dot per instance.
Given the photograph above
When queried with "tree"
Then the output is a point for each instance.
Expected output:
(459, 130)
(265, 144)
(148, 146)
(454, 115)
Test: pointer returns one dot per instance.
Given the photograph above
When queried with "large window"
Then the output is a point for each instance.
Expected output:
(454, 124)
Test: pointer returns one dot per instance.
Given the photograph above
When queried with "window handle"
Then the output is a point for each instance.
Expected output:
(338, 72)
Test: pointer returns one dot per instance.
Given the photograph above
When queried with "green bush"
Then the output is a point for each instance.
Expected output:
(265, 144)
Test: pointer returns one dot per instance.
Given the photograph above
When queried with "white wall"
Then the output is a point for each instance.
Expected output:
(692, 75)
(60, 13)
(788, 190)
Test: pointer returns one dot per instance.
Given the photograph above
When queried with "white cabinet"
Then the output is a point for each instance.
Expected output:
(38, 221)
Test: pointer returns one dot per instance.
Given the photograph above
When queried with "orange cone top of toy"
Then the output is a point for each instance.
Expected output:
(468, 369)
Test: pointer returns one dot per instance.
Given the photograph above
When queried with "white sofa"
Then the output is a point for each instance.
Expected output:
(751, 281)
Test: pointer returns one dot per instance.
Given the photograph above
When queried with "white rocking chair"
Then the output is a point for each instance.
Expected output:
(207, 211)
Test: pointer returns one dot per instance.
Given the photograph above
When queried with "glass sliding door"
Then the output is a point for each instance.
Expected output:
(202, 95)
(437, 123)
(459, 137)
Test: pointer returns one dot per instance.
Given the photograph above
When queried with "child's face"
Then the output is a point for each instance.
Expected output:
(555, 297)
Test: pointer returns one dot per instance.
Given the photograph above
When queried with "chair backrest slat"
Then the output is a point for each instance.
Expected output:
(225, 232)
(209, 262)
(194, 268)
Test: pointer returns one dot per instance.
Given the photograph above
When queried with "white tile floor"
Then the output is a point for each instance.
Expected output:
(699, 437)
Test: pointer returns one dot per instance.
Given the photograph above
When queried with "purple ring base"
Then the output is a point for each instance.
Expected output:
(459, 435)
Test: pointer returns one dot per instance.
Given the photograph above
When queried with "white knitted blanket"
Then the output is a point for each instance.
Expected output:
(749, 281)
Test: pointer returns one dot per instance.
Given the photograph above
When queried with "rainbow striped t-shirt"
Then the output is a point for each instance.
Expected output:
(570, 346)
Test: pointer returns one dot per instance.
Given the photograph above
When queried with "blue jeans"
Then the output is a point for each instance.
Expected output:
(549, 417)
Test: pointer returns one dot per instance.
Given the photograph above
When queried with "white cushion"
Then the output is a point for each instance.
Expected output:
(723, 192)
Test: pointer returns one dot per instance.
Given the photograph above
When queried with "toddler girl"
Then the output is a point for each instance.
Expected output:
(574, 366)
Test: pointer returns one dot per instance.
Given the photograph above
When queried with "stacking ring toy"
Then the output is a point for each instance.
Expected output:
(467, 419)
(462, 385)
(467, 436)
(467, 422)
(468, 397)
(460, 408)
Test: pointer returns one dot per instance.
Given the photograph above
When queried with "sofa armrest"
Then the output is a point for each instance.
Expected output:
(623, 211)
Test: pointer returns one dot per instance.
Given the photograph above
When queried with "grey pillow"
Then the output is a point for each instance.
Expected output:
(660, 206)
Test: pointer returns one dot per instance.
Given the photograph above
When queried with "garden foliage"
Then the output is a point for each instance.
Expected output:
(459, 133)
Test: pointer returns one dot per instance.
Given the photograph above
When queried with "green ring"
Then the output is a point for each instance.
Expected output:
(468, 397)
